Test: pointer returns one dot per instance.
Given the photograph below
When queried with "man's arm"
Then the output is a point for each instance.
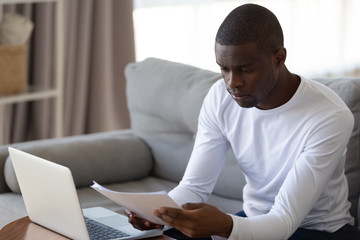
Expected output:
(208, 155)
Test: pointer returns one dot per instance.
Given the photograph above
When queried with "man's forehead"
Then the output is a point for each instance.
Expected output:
(240, 54)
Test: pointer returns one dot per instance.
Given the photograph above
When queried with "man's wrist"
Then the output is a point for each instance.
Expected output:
(227, 226)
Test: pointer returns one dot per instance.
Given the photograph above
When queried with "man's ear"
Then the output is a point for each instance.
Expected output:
(279, 56)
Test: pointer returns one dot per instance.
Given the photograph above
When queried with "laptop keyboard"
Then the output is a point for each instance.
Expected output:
(99, 231)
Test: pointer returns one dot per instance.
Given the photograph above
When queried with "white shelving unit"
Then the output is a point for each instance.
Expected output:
(34, 94)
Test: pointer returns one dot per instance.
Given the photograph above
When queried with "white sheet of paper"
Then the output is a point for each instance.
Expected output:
(142, 204)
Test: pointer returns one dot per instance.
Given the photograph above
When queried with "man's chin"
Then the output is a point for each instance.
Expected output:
(246, 104)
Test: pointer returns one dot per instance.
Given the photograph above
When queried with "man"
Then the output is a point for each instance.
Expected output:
(289, 136)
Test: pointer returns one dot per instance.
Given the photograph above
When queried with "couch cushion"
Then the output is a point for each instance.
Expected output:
(12, 207)
(125, 157)
(165, 96)
(171, 152)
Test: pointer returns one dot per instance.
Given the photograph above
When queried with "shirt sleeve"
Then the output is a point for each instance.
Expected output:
(206, 160)
(324, 151)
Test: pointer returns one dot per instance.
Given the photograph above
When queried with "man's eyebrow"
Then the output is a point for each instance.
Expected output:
(248, 64)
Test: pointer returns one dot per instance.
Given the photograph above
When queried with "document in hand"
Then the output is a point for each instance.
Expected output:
(142, 204)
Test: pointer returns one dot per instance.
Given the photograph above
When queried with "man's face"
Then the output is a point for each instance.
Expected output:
(248, 73)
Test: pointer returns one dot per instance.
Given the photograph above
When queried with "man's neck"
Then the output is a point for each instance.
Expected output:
(285, 89)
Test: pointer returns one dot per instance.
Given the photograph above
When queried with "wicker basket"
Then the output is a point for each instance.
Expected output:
(13, 69)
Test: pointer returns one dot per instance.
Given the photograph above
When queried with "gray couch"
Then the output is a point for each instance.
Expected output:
(164, 99)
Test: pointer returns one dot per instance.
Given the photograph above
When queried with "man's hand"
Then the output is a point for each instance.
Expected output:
(140, 223)
(197, 220)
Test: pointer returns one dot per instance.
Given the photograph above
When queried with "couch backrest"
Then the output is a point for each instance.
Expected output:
(164, 100)
(165, 96)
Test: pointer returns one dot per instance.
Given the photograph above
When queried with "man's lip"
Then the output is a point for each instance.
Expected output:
(239, 96)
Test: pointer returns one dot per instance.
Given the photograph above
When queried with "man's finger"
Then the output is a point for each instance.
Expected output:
(129, 213)
(192, 206)
(140, 223)
(173, 216)
(171, 212)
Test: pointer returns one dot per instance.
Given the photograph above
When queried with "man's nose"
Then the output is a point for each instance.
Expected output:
(235, 81)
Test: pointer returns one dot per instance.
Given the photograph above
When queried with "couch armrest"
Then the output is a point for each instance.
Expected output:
(109, 157)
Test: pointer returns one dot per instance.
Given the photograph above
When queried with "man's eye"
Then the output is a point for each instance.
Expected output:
(246, 70)
(224, 69)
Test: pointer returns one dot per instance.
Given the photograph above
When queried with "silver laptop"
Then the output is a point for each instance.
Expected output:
(51, 201)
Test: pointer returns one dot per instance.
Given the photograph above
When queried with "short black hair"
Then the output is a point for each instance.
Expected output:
(251, 23)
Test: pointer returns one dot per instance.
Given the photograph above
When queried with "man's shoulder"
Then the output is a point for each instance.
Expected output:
(322, 94)
(325, 103)
(219, 85)
(218, 91)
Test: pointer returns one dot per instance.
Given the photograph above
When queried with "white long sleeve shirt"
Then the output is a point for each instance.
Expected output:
(292, 157)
